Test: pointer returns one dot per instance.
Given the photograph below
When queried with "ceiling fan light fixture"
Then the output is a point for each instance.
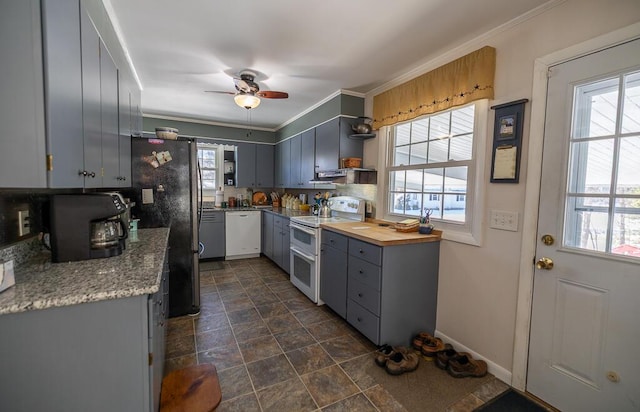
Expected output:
(248, 101)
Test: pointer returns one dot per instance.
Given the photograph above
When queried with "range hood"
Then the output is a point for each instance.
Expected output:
(348, 176)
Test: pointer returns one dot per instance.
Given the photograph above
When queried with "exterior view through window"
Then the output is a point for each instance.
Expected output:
(208, 166)
(602, 203)
(431, 161)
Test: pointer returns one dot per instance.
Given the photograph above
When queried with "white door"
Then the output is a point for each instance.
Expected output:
(584, 352)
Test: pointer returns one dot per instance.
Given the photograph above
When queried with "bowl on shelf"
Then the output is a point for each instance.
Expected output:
(166, 133)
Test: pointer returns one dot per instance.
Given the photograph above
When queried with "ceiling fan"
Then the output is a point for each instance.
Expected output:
(248, 92)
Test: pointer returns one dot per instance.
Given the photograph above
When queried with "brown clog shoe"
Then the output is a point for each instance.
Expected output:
(464, 365)
(418, 340)
(384, 352)
(430, 347)
(401, 362)
(444, 356)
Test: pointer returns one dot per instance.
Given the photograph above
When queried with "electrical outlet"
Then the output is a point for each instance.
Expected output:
(504, 220)
(23, 223)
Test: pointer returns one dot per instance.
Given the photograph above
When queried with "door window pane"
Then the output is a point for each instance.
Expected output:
(631, 114)
(629, 166)
(586, 223)
(626, 228)
(595, 109)
(591, 166)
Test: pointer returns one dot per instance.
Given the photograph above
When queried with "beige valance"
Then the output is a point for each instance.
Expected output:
(460, 82)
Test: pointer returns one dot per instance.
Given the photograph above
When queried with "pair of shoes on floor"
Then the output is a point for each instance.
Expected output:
(427, 345)
(397, 359)
(460, 364)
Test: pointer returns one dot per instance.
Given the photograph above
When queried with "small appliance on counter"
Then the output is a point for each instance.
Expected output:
(87, 226)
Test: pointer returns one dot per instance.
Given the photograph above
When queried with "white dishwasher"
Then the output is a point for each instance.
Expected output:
(242, 234)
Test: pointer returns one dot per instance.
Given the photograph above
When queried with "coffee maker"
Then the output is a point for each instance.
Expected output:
(87, 226)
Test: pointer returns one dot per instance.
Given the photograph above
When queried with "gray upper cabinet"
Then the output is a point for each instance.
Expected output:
(245, 165)
(282, 162)
(254, 165)
(124, 138)
(333, 142)
(59, 96)
(22, 158)
(301, 169)
(109, 113)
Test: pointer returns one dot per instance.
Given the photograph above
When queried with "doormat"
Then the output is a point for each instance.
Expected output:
(511, 401)
(211, 265)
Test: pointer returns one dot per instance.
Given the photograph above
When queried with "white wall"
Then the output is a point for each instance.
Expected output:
(478, 286)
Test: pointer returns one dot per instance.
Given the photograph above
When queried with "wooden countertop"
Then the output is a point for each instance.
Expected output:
(372, 232)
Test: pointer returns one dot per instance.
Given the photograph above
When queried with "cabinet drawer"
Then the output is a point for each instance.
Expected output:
(215, 217)
(365, 272)
(334, 239)
(367, 251)
(365, 296)
(363, 320)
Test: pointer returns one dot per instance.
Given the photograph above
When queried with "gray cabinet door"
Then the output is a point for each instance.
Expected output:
(327, 145)
(333, 142)
(264, 165)
(282, 164)
(91, 109)
(245, 165)
(267, 234)
(22, 158)
(295, 180)
(307, 158)
(333, 278)
(124, 139)
(109, 119)
(63, 92)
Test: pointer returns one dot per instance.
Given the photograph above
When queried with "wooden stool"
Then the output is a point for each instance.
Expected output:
(191, 389)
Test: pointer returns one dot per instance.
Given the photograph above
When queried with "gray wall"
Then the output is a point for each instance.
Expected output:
(340, 105)
(218, 133)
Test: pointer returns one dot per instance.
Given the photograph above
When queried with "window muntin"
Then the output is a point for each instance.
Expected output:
(430, 161)
(602, 202)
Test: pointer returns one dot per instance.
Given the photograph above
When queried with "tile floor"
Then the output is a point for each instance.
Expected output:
(275, 350)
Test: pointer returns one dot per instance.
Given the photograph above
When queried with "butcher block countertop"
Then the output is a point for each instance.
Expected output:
(372, 232)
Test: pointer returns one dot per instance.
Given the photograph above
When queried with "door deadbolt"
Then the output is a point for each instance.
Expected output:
(547, 240)
(544, 263)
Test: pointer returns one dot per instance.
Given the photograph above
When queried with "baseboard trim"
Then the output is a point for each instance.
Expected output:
(496, 370)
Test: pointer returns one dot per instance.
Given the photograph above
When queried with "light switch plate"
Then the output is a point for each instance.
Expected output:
(504, 220)
(23, 223)
(147, 196)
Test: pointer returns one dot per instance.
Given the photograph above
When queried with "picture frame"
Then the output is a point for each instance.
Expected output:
(507, 141)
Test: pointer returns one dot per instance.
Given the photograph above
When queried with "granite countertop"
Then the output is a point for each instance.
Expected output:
(372, 232)
(41, 284)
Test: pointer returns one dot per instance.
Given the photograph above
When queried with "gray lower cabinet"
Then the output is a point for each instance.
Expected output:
(212, 235)
(333, 271)
(281, 239)
(100, 356)
(267, 234)
(391, 291)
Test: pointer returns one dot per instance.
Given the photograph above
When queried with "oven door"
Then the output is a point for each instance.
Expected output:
(304, 238)
(304, 273)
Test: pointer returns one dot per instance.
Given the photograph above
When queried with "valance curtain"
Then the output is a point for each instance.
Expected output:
(462, 81)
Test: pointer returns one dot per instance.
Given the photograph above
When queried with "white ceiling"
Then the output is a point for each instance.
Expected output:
(310, 49)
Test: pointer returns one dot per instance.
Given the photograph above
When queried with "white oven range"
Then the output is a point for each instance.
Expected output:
(305, 242)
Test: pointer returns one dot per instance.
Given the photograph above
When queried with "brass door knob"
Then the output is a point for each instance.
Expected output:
(544, 263)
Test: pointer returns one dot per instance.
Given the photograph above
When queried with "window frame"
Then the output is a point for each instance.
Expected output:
(219, 149)
(469, 232)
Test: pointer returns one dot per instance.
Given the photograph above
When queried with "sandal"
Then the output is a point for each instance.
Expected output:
(464, 365)
(419, 339)
(431, 347)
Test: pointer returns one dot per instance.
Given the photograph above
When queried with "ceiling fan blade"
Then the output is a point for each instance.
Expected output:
(270, 94)
(220, 92)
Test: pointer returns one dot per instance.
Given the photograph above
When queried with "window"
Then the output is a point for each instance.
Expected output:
(602, 201)
(432, 169)
(208, 160)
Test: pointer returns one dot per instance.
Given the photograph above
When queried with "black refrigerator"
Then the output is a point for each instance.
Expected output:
(165, 190)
